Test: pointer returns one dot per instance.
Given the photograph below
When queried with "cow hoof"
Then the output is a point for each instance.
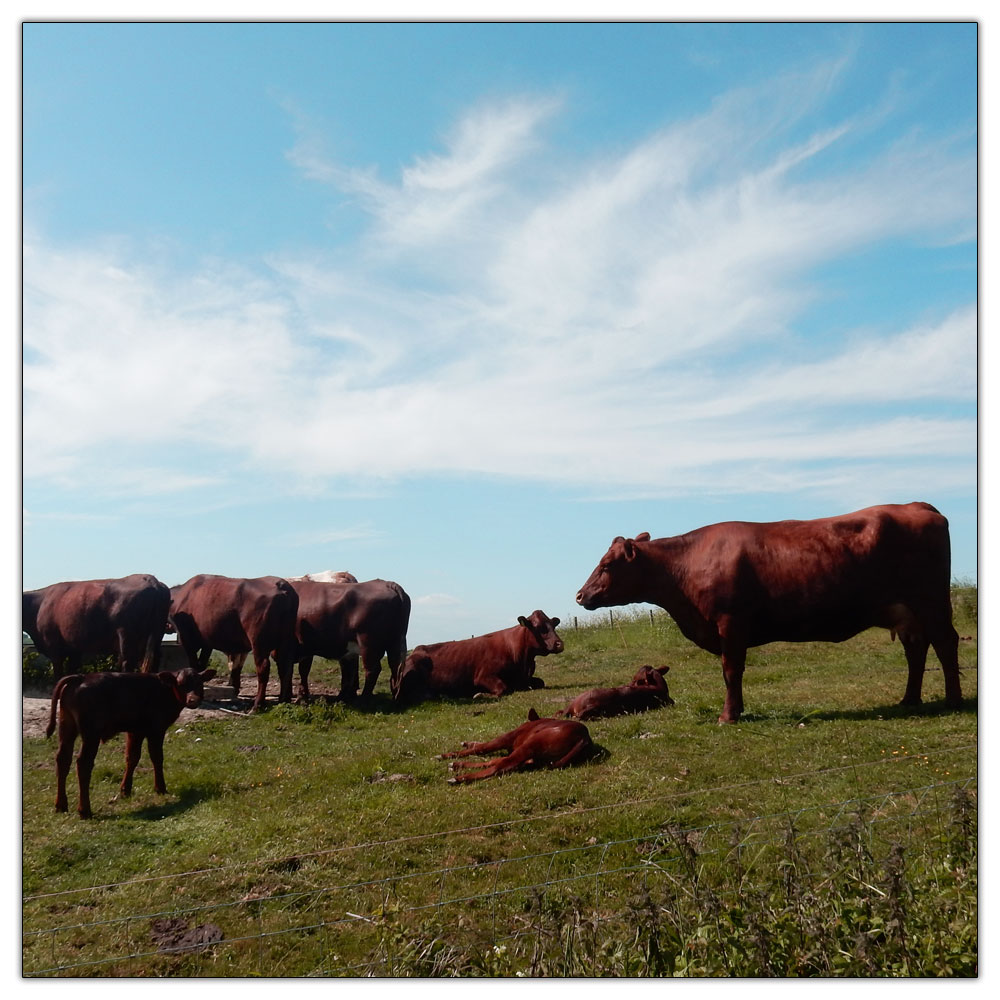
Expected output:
(723, 721)
(453, 781)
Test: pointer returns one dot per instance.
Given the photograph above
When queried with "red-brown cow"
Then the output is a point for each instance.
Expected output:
(739, 584)
(495, 664)
(96, 707)
(549, 742)
(345, 621)
(239, 616)
(125, 617)
(647, 690)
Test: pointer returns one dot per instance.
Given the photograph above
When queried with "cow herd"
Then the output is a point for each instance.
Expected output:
(728, 586)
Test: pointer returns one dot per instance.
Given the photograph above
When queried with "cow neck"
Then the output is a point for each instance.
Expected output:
(665, 559)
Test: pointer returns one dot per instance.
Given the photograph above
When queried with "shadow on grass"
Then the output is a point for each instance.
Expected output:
(877, 713)
(183, 800)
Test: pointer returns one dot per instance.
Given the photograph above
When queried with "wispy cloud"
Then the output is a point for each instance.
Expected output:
(630, 324)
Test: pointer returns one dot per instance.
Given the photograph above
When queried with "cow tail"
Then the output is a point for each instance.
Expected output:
(71, 680)
(404, 624)
(151, 658)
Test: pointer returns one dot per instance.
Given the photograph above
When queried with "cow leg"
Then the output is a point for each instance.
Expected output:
(371, 657)
(155, 744)
(734, 660)
(946, 648)
(236, 661)
(262, 661)
(349, 676)
(915, 646)
(305, 665)
(64, 758)
(133, 751)
(285, 664)
(84, 768)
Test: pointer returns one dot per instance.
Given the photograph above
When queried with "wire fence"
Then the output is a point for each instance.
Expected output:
(408, 921)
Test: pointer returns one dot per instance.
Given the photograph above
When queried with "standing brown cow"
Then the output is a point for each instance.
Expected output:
(348, 621)
(239, 616)
(125, 617)
(738, 584)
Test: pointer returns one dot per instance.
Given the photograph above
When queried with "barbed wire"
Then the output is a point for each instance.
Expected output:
(748, 838)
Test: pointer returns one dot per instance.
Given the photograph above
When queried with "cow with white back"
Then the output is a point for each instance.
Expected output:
(125, 617)
(349, 622)
(739, 584)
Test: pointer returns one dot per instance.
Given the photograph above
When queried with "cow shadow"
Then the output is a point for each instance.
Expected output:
(876, 713)
(174, 804)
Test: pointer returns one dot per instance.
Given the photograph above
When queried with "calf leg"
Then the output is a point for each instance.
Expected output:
(64, 758)
(89, 746)
(133, 751)
(155, 743)
(575, 752)
(499, 765)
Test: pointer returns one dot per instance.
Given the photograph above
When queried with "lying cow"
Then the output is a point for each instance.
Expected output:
(739, 584)
(647, 690)
(537, 742)
(124, 617)
(96, 707)
(494, 664)
(238, 616)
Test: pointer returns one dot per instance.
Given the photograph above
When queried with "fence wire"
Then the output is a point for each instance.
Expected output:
(499, 901)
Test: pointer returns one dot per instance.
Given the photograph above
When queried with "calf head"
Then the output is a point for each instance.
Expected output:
(543, 629)
(187, 685)
(652, 677)
(616, 576)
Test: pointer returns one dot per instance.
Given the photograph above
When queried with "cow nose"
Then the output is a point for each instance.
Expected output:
(579, 597)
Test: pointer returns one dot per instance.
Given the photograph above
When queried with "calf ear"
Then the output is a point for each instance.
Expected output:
(662, 670)
(168, 678)
(532, 715)
(554, 621)
(521, 620)
(207, 675)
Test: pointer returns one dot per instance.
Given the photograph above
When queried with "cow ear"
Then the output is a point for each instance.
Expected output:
(532, 715)
(554, 621)
(628, 547)
(643, 536)
(521, 620)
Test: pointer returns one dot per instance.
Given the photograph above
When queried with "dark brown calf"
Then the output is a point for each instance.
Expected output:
(647, 690)
(96, 707)
(549, 742)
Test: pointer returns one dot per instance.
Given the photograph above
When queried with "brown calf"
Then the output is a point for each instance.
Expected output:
(647, 690)
(552, 742)
(96, 707)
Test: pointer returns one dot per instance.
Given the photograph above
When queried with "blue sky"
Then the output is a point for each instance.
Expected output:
(454, 305)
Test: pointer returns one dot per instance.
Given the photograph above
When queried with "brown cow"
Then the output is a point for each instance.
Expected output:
(739, 584)
(647, 690)
(239, 616)
(345, 621)
(495, 664)
(96, 707)
(550, 742)
(125, 617)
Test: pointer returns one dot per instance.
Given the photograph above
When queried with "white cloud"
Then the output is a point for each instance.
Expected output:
(523, 319)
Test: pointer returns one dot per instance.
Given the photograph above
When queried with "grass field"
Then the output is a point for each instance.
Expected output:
(830, 832)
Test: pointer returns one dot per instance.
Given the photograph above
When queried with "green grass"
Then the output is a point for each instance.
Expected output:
(696, 849)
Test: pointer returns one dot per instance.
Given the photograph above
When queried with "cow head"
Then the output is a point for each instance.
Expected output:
(543, 629)
(614, 580)
(187, 685)
(410, 682)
